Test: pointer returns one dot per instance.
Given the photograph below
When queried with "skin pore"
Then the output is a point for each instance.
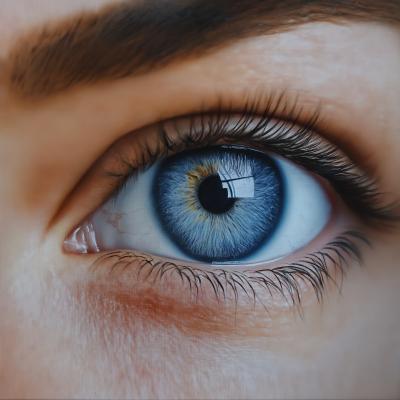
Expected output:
(68, 332)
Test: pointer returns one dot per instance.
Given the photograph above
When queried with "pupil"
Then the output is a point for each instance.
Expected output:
(213, 197)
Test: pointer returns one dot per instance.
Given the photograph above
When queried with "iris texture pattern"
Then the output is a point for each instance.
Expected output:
(219, 203)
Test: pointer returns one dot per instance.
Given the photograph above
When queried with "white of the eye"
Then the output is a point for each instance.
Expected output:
(307, 210)
(129, 222)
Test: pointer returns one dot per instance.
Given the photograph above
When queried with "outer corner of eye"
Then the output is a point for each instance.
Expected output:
(216, 204)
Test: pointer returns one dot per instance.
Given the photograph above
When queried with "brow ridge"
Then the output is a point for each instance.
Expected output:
(131, 38)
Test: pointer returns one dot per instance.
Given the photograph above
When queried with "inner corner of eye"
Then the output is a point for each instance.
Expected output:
(218, 204)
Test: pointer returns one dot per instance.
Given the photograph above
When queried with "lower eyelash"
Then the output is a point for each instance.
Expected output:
(316, 269)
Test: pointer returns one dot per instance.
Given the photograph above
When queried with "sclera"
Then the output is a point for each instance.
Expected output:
(129, 221)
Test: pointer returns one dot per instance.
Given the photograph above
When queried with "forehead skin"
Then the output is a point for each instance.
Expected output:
(63, 342)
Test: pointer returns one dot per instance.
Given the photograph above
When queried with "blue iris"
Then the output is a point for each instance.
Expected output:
(219, 203)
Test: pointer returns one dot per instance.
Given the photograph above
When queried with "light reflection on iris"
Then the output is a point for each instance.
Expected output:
(218, 203)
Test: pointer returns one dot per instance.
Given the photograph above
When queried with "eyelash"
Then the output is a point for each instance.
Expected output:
(303, 146)
(286, 280)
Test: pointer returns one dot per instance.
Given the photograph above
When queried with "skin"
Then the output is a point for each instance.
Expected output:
(68, 332)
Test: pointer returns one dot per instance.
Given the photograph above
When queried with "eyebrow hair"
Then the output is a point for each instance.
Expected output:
(132, 38)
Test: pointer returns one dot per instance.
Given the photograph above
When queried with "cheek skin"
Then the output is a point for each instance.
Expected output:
(83, 337)
(158, 338)
(146, 335)
(141, 338)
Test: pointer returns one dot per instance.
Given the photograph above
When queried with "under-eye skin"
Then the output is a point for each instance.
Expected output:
(214, 138)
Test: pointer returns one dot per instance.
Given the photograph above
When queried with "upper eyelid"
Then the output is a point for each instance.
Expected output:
(356, 188)
(282, 105)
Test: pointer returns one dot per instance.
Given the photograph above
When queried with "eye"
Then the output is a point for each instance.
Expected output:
(229, 190)
(218, 204)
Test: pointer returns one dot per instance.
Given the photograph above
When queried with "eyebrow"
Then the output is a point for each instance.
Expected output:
(131, 38)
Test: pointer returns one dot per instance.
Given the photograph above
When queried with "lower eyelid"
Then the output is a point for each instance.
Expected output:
(169, 303)
(163, 289)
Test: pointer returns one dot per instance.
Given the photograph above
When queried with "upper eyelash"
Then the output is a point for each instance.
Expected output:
(302, 145)
(285, 280)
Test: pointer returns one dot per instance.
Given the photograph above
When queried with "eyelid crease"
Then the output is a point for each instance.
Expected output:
(287, 280)
(300, 143)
